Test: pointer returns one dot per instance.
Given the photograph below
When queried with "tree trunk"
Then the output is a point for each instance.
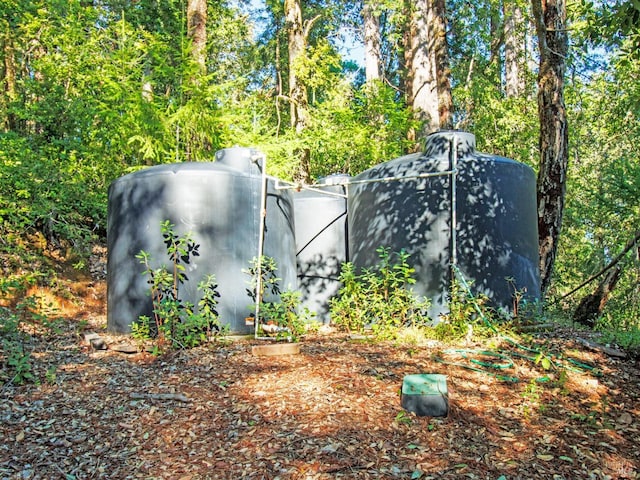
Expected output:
(514, 44)
(197, 34)
(590, 307)
(497, 35)
(427, 62)
(9, 74)
(372, 52)
(632, 243)
(197, 31)
(550, 18)
(422, 87)
(443, 72)
(299, 106)
(297, 50)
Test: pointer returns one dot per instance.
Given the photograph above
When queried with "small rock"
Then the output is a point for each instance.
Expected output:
(125, 348)
(326, 330)
(90, 336)
(98, 343)
(625, 419)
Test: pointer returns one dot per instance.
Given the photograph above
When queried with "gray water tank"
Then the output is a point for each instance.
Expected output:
(494, 240)
(321, 242)
(219, 204)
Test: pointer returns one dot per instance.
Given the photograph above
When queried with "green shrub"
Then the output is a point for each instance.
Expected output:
(276, 307)
(18, 329)
(176, 323)
(379, 298)
(468, 315)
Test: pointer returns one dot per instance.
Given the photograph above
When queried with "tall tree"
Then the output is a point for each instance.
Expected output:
(443, 72)
(297, 36)
(9, 77)
(372, 52)
(427, 62)
(421, 84)
(514, 47)
(297, 44)
(197, 31)
(550, 20)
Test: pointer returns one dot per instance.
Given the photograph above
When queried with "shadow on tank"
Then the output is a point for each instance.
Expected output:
(219, 204)
(321, 244)
(494, 242)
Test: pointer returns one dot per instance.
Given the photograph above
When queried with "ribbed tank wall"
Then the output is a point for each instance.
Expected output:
(495, 229)
(219, 204)
(321, 242)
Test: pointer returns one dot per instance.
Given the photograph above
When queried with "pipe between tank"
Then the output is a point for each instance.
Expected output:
(311, 188)
(453, 155)
(316, 186)
(263, 213)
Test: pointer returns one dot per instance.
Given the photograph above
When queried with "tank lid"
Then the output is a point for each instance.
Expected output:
(240, 158)
(335, 179)
(439, 143)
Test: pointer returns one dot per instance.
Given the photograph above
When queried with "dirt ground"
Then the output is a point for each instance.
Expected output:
(331, 411)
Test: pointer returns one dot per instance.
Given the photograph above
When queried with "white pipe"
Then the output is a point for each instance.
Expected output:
(453, 155)
(315, 187)
(263, 215)
(408, 177)
(311, 188)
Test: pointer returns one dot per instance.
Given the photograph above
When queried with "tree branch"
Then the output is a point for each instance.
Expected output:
(308, 25)
(630, 244)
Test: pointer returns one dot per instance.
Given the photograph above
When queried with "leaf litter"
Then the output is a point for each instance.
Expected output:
(332, 411)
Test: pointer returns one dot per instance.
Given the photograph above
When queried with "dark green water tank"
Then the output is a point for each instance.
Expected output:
(488, 228)
(321, 242)
(219, 204)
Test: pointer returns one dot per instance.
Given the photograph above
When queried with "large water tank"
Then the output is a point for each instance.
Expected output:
(483, 219)
(219, 204)
(321, 242)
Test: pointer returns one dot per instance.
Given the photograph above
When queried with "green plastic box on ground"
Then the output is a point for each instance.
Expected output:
(425, 394)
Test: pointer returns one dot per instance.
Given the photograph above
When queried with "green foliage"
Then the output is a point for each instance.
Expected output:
(355, 129)
(614, 24)
(349, 308)
(18, 329)
(403, 418)
(279, 312)
(350, 129)
(176, 323)
(620, 330)
(287, 314)
(40, 196)
(464, 316)
(141, 330)
(379, 298)
(531, 396)
(100, 90)
(603, 186)
(263, 271)
(544, 361)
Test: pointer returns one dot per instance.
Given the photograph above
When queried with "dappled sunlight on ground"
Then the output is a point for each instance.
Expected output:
(332, 411)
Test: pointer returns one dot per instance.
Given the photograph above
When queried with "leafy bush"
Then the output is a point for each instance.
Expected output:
(41, 194)
(279, 308)
(175, 322)
(625, 334)
(15, 355)
(380, 297)
(18, 327)
(464, 316)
